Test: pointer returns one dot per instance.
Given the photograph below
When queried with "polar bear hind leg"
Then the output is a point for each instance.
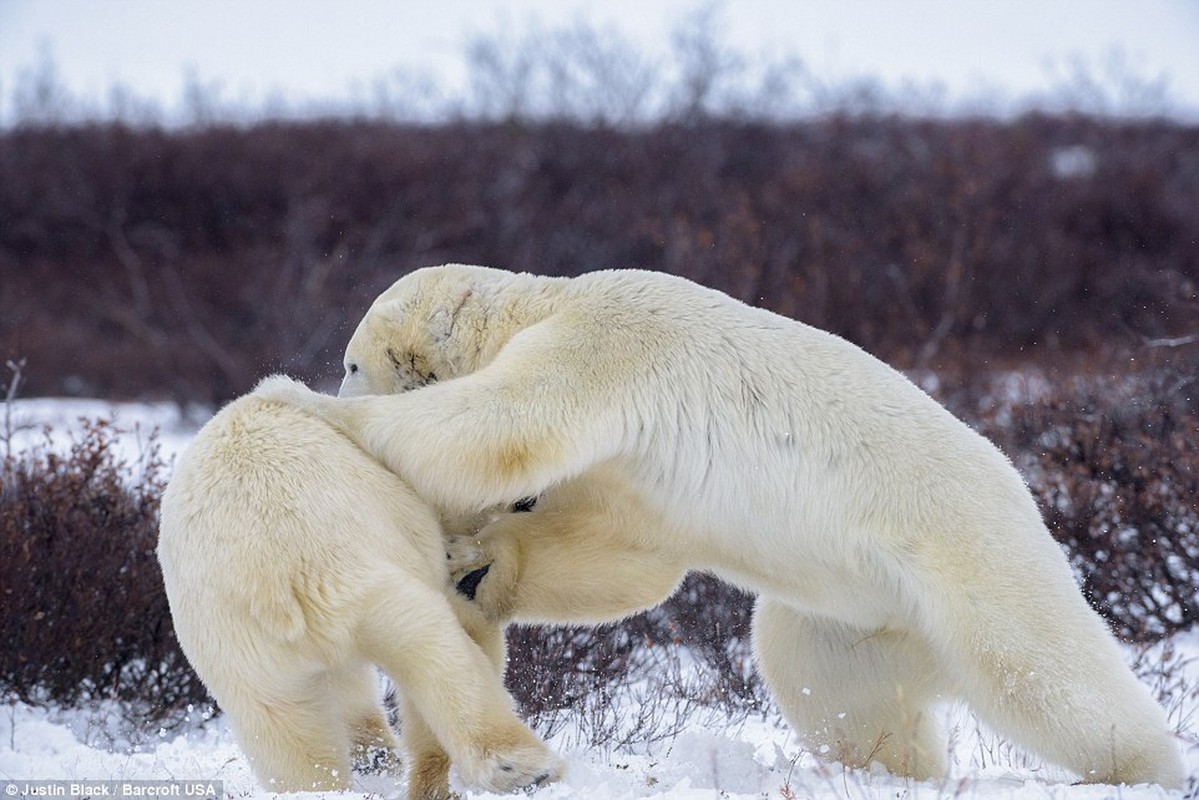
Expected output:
(1055, 683)
(296, 742)
(454, 687)
(308, 732)
(857, 696)
(375, 746)
(429, 764)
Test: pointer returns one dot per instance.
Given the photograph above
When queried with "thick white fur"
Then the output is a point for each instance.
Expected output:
(898, 556)
(294, 563)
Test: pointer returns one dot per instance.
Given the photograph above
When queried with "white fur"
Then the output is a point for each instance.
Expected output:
(898, 555)
(294, 563)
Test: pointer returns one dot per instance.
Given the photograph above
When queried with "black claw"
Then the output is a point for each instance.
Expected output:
(524, 504)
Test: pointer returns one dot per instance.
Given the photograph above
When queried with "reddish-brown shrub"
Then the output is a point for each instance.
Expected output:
(83, 612)
(1116, 468)
(189, 263)
(554, 667)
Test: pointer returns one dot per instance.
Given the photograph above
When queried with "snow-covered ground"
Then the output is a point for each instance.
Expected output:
(754, 759)
(745, 759)
(738, 759)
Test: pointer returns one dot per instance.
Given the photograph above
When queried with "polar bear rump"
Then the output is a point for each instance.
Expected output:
(294, 565)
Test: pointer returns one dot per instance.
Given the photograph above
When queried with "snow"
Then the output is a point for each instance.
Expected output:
(756, 758)
(713, 756)
(32, 420)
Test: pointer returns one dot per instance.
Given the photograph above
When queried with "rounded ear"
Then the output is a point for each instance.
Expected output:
(390, 313)
(362, 345)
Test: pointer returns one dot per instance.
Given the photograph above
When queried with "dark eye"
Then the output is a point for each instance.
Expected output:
(524, 505)
(353, 368)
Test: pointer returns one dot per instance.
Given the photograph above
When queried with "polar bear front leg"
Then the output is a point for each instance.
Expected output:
(428, 763)
(855, 696)
(568, 561)
(485, 571)
(485, 439)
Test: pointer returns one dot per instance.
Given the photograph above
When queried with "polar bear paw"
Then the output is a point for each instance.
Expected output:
(283, 389)
(525, 766)
(288, 391)
(468, 564)
(464, 554)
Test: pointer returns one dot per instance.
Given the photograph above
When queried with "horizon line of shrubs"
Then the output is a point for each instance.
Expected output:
(186, 264)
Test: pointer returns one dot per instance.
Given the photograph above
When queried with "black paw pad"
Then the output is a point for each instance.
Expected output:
(469, 585)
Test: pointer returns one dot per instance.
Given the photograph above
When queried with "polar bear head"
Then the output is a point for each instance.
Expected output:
(432, 324)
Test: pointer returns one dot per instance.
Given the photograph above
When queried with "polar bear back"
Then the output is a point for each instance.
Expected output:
(722, 390)
(240, 511)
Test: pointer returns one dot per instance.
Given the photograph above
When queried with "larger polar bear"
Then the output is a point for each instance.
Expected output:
(898, 556)
(294, 563)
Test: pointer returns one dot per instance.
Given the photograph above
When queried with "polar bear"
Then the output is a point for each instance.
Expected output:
(294, 563)
(897, 555)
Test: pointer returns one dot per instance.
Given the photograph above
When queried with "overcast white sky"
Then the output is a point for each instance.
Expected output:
(313, 49)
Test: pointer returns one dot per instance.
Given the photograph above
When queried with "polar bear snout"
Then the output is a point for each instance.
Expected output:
(353, 383)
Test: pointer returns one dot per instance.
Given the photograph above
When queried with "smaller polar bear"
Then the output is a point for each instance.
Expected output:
(294, 563)
(898, 556)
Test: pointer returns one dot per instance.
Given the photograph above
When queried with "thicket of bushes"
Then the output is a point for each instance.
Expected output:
(143, 261)
(1116, 466)
(83, 612)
